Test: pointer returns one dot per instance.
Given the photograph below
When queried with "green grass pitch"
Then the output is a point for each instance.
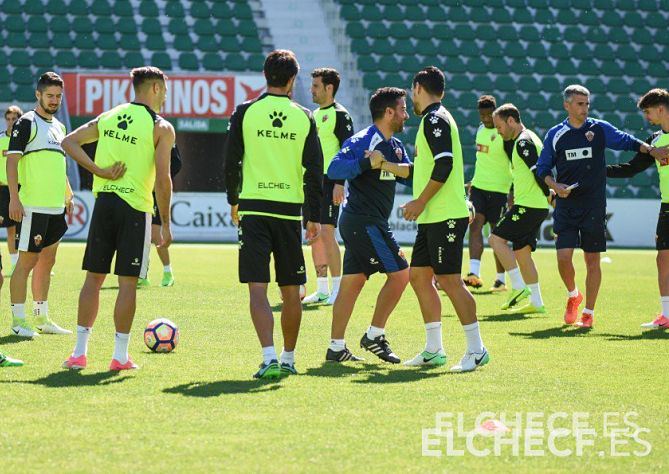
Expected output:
(198, 409)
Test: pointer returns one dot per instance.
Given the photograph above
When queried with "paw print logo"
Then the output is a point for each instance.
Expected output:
(123, 121)
(277, 119)
(451, 224)
(515, 217)
(521, 210)
(434, 119)
(436, 132)
(450, 238)
(526, 153)
(348, 127)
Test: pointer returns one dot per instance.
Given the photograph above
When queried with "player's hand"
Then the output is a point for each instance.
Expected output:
(551, 197)
(338, 195)
(165, 236)
(412, 209)
(661, 154)
(234, 214)
(313, 230)
(561, 190)
(509, 201)
(69, 207)
(375, 158)
(114, 171)
(16, 211)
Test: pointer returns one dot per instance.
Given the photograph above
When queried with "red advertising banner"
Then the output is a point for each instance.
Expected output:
(200, 96)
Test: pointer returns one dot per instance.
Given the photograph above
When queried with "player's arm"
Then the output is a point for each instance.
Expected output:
(88, 133)
(527, 152)
(616, 139)
(19, 139)
(438, 137)
(403, 170)
(312, 162)
(349, 163)
(234, 152)
(165, 137)
(545, 164)
(639, 163)
(175, 161)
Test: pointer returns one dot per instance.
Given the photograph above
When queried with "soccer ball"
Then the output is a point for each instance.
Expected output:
(161, 335)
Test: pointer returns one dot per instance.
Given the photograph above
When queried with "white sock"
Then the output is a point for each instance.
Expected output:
(268, 354)
(167, 268)
(500, 277)
(535, 296)
(664, 301)
(337, 344)
(83, 333)
(14, 257)
(287, 357)
(335, 285)
(474, 342)
(19, 311)
(121, 342)
(475, 266)
(40, 308)
(573, 294)
(517, 282)
(591, 312)
(433, 342)
(373, 332)
(322, 285)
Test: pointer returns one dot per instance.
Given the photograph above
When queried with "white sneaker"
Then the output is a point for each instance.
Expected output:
(471, 360)
(316, 297)
(331, 298)
(21, 328)
(47, 326)
(428, 358)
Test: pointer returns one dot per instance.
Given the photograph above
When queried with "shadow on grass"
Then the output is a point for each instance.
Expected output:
(563, 331)
(107, 288)
(372, 373)
(502, 317)
(224, 387)
(11, 339)
(336, 369)
(75, 378)
(400, 376)
(645, 335)
(311, 307)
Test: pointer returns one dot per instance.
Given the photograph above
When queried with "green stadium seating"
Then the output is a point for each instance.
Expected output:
(133, 59)
(122, 8)
(235, 62)
(188, 61)
(178, 27)
(111, 60)
(183, 43)
(148, 8)
(107, 42)
(130, 42)
(88, 60)
(78, 8)
(155, 42)
(65, 59)
(162, 61)
(99, 7)
(213, 62)
(208, 43)
(25, 93)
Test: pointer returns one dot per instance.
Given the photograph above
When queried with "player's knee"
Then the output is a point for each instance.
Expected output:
(400, 278)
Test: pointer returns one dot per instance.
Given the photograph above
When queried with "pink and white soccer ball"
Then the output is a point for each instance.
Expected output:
(161, 335)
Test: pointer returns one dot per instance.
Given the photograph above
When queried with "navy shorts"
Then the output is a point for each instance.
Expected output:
(370, 246)
(580, 228)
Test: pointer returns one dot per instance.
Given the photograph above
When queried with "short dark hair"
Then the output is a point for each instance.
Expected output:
(505, 111)
(329, 76)
(653, 98)
(13, 109)
(143, 74)
(431, 79)
(49, 79)
(383, 98)
(487, 102)
(280, 66)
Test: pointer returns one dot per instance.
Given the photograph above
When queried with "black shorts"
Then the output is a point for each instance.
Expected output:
(155, 219)
(489, 203)
(580, 228)
(329, 211)
(5, 221)
(662, 230)
(37, 231)
(262, 236)
(117, 228)
(521, 225)
(439, 245)
(370, 246)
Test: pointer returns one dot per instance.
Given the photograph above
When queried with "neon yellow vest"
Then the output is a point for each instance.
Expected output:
(492, 171)
(4, 146)
(449, 202)
(274, 131)
(526, 191)
(126, 134)
(663, 171)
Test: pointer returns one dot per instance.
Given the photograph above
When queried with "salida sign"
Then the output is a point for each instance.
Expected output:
(203, 96)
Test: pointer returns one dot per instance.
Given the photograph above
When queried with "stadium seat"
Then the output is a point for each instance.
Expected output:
(183, 43)
(255, 61)
(122, 8)
(208, 44)
(107, 42)
(133, 59)
(148, 8)
(99, 8)
(647, 193)
(155, 42)
(188, 61)
(174, 9)
(213, 62)
(162, 61)
(235, 62)
(88, 60)
(199, 10)
(178, 27)
(203, 27)
(25, 93)
(111, 60)
(77, 8)
(151, 26)
(218, 10)
(65, 59)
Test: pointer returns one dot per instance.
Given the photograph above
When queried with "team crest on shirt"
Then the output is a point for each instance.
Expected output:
(37, 239)
(325, 118)
(492, 137)
(399, 154)
(589, 135)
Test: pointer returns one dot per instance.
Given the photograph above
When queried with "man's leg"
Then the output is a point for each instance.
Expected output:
(662, 320)
(593, 280)
(473, 279)
(568, 275)
(531, 278)
(333, 257)
(124, 314)
(291, 316)
(17, 293)
(508, 260)
(11, 247)
(389, 296)
(319, 257)
(351, 285)
(163, 255)
(41, 282)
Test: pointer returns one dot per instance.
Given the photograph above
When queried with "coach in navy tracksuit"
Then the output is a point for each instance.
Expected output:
(575, 148)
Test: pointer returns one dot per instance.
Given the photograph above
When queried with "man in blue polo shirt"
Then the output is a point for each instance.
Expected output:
(576, 148)
(371, 161)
